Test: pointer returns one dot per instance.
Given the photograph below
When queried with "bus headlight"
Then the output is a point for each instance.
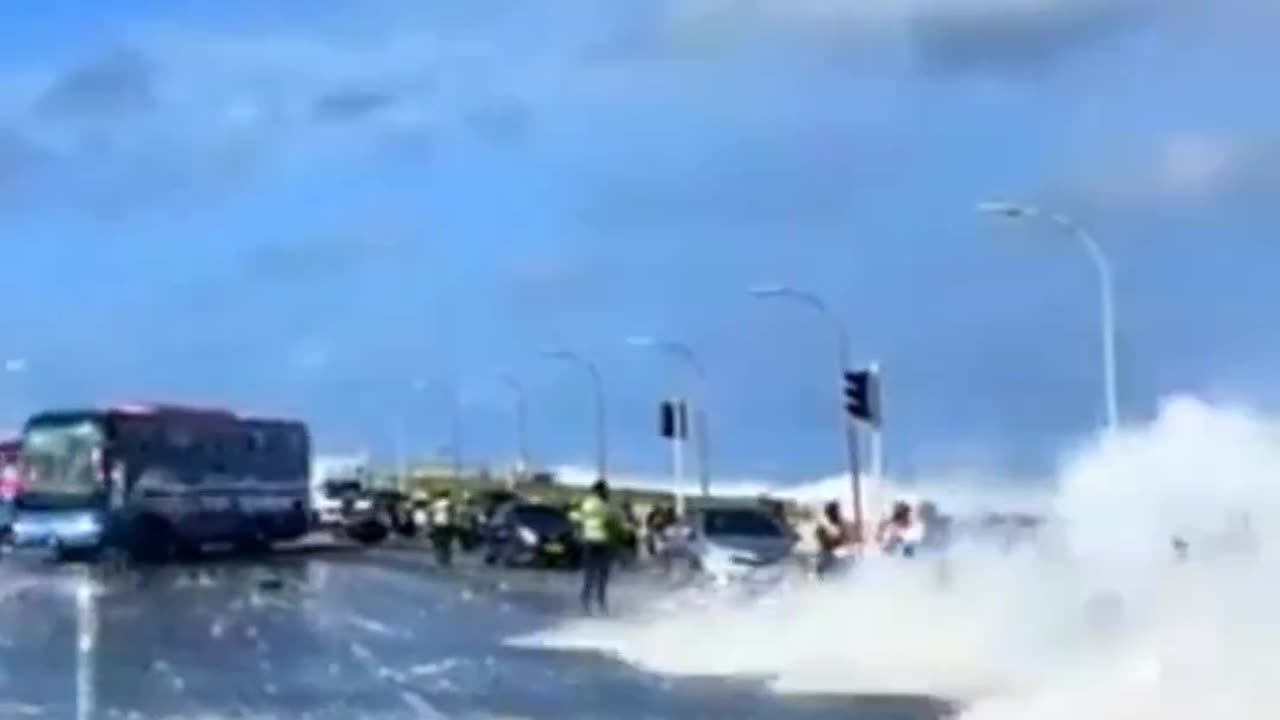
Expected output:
(85, 524)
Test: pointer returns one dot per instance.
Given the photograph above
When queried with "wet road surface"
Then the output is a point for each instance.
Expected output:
(342, 635)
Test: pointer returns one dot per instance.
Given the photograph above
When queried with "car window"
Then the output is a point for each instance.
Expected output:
(542, 518)
(749, 523)
(502, 514)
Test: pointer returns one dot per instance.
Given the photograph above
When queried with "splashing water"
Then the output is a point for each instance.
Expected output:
(1098, 619)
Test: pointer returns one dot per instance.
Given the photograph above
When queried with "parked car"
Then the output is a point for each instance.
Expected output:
(398, 508)
(479, 514)
(332, 477)
(327, 500)
(367, 517)
(526, 533)
(732, 542)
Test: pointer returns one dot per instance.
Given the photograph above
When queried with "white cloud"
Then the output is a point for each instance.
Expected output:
(219, 105)
(1186, 169)
(947, 33)
(1196, 164)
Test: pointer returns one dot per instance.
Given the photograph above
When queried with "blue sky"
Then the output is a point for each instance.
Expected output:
(304, 210)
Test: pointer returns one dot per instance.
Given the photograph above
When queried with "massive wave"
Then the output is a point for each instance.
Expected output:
(1100, 618)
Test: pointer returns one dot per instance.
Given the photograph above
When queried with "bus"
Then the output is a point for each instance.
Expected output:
(155, 481)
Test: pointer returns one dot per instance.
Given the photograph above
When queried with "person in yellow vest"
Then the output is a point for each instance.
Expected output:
(596, 520)
(442, 527)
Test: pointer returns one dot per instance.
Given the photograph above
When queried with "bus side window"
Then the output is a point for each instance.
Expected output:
(294, 449)
(132, 437)
(261, 459)
(181, 451)
(217, 447)
(240, 450)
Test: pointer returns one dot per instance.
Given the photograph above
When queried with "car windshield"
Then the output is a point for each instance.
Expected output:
(739, 523)
(495, 501)
(542, 519)
(337, 489)
(63, 459)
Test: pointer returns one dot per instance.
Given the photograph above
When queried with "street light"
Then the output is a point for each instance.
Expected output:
(812, 301)
(678, 349)
(686, 354)
(522, 419)
(786, 292)
(1016, 211)
(597, 387)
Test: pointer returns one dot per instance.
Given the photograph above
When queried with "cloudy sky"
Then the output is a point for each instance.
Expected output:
(306, 210)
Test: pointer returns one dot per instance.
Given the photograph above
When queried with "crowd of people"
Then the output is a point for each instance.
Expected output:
(906, 530)
(611, 533)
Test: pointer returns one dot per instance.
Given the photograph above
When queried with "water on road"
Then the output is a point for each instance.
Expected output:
(341, 635)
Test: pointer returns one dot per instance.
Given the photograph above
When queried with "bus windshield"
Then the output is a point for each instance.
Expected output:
(63, 459)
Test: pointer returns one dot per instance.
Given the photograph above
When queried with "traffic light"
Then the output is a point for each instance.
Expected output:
(674, 421)
(862, 395)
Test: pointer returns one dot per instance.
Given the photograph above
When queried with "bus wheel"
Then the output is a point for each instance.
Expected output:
(63, 554)
(111, 560)
(253, 545)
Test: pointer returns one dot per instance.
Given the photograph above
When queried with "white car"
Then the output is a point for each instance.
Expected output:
(333, 479)
(733, 543)
(327, 502)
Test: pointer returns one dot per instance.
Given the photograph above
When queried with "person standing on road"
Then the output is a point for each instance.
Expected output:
(442, 528)
(832, 537)
(595, 519)
(901, 533)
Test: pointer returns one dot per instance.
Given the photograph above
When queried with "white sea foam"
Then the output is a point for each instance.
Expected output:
(1101, 622)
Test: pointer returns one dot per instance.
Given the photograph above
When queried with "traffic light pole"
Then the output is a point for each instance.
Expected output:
(842, 337)
(677, 455)
(862, 404)
(702, 439)
(877, 440)
(851, 444)
(674, 422)
(855, 473)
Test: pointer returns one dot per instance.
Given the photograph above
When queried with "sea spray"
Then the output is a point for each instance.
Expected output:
(1106, 621)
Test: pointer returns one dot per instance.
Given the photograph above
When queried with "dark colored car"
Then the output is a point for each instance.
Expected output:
(368, 517)
(398, 508)
(474, 531)
(524, 533)
(490, 502)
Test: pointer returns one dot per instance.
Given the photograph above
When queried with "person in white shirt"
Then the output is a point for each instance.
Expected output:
(902, 532)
